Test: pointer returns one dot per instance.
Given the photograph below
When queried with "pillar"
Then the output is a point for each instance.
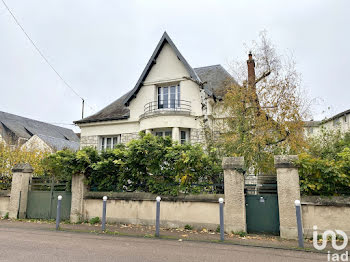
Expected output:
(78, 192)
(148, 131)
(288, 190)
(176, 134)
(234, 215)
(21, 175)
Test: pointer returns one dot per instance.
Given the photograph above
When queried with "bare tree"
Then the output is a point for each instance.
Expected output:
(266, 111)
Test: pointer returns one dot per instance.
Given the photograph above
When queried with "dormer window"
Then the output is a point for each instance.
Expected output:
(169, 96)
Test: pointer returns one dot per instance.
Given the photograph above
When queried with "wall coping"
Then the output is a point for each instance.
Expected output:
(141, 196)
(233, 162)
(338, 201)
(22, 168)
(285, 161)
(5, 193)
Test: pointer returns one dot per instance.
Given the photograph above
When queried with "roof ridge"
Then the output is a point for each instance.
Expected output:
(30, 119)
(208, 66)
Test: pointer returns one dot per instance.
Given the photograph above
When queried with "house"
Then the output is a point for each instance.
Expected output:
(339, 122)
(169, 99)
(17, 131)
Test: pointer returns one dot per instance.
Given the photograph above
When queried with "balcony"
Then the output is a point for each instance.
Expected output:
(170, 107)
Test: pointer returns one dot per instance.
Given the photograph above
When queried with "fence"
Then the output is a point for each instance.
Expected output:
(200, 210)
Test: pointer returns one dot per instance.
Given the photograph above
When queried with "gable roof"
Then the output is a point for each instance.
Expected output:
(215, 79)
(114, 111)
(59, 143)
(165, 39)
(25, 128)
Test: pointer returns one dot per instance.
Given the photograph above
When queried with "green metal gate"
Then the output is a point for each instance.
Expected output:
(42, 199)
(262, 214)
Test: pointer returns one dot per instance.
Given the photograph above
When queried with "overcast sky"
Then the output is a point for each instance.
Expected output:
(101, 47)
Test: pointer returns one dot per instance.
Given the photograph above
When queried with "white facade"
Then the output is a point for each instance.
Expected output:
(169, 102)
(339, 122)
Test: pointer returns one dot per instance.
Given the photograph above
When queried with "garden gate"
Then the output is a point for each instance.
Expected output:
(261, 200)
(42, 198)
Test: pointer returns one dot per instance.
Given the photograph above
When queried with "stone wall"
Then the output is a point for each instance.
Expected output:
(327, 213)
(89, 141)
(199, 211)
(4, 202)
(127, 137)
(197, 135)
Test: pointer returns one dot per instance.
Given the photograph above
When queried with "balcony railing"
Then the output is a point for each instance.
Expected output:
(167, 106)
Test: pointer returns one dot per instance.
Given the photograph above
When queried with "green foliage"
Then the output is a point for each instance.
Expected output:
(188, 227)
(218, 229)
(6, 215)
(65, 163)
(325, 169)
(94, 220)
(149, 164)
(10, 156)
(5, 182)
(240, 233)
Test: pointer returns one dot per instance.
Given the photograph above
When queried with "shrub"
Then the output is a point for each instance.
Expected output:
(6, 216)
(325, 168)
(218, 229)
(149, 164)
(94, 220)
(188, 227)
(11, 156)
(240, 233)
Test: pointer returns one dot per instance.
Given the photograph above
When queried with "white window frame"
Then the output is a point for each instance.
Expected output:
(163, 132)
(160, 96)
(187, 136)
(104, 139)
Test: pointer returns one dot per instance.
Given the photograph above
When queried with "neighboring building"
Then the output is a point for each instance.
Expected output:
(339, 122)
(170, 99)
(17, 131)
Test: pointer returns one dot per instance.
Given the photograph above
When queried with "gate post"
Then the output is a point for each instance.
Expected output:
(21, 174)
(235, 214)
(78, 192)
(288, 189)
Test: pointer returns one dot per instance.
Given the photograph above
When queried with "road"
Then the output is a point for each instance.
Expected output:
(19, 244)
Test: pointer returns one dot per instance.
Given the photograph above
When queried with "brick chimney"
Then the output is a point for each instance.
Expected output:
(251, 70)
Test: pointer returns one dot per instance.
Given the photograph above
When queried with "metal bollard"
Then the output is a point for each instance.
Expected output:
(58, 214)
(104, 213)
(299, 224)
(222, 227)
(157, 215)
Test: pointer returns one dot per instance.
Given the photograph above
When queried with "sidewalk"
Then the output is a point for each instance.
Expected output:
(165, 233)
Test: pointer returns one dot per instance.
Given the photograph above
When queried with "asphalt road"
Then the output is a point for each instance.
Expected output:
(18, 244)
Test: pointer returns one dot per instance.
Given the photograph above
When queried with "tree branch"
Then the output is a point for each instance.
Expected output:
(264, 75)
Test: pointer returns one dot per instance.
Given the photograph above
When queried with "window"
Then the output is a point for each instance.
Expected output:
(163, 133)
(169, 97)
(110, 142)
(336, 122)
(183, 137)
